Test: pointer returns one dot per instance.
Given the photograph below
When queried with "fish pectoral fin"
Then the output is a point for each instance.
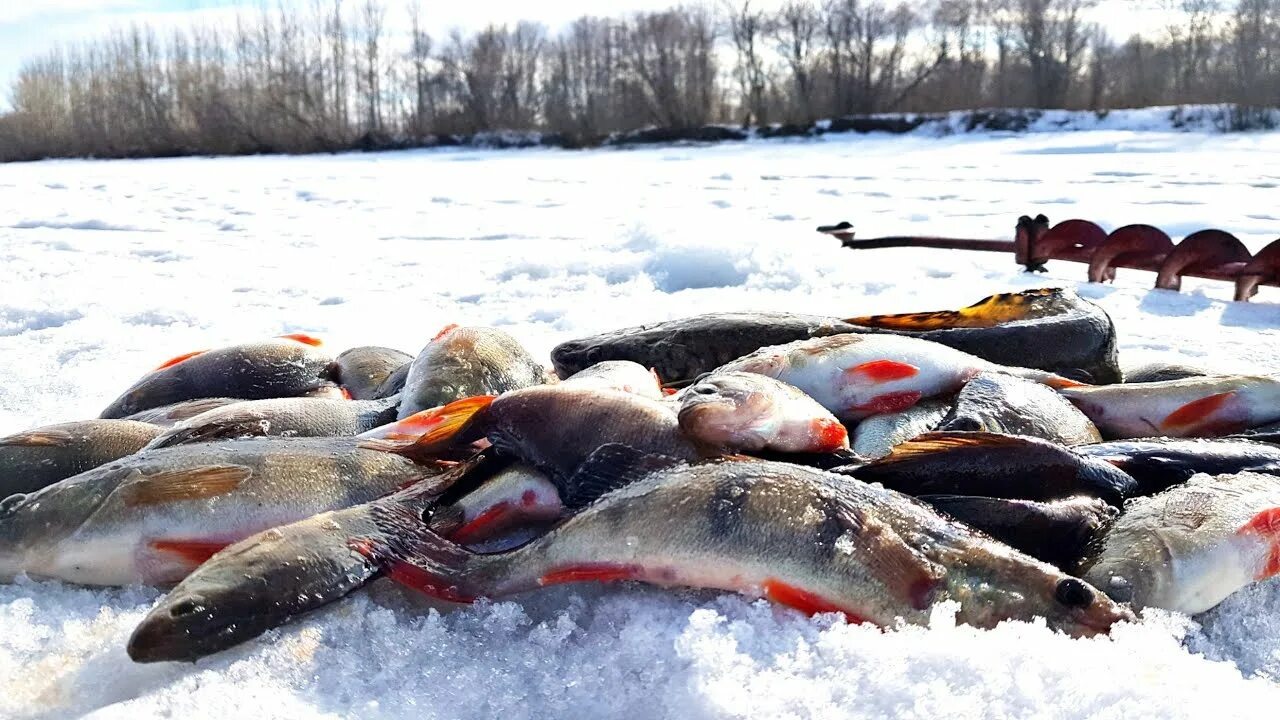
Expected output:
(175, 360)
(1266, 526)
(901, 568)
(39, 438)
(883, 371)
(1196, 412)
(607, 468)
(938, 442)
(193, 552)
(303, 338)
(197, 483)
(430, 431)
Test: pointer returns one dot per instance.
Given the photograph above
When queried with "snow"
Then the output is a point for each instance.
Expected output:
(112, 267)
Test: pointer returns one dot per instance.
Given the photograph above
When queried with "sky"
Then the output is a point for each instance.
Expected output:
(30, 27)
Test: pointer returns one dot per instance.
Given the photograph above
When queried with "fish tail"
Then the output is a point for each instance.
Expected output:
(431, 431)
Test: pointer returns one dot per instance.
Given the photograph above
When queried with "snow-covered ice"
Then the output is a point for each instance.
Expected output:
(112, 267)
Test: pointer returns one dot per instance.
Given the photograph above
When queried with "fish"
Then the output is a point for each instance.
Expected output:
(1269, 433)
(34, 459)
(284, 417)
(1190, 547)
(747, 412)
(1160, 463)
(620, 375)
(803, 538)
(553, 428)
(875, 436)
(1160, 371)
(1056, 531)
(361, 371)
(287, 366)
(394, 384)
(462, 362)
(856, 376)
(170, 415)
(993, 465)
(517, 497)
(151, 518)
(1191, 407)
(1051, 329)
(1000, 403)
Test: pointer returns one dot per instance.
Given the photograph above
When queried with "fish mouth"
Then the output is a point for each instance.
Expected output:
(185, 629)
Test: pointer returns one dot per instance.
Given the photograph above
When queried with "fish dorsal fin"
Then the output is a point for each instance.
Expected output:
(196, 483)
(303, 338)
(39, 438)
(609, 467)
(936, 442)
(175, 360)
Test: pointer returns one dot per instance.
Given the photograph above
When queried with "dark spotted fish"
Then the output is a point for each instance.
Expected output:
(1051, 329)
(153, 517)
(991, 465)
(281, 417)
(1001, 403)
(1160, 463)
(288, 366)
(802, 538)
(462, 362)
(36, 458)
(1054, 531)
(361, 371)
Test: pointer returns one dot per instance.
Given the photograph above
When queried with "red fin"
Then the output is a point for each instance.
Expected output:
(882, 371)
(433, 426)
(410, 575)
(303, 338)
(1060, 383)
(806, 602)
(889, 402)
(831, 435)
(174, 361)
(1196, 411)
(669, 391)
(1266, 525)
(195, 552)
(346, 394)
(483, 525)
(590, 572)
(445, 331)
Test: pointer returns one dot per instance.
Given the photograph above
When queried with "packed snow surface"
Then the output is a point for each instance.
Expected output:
(113, 267)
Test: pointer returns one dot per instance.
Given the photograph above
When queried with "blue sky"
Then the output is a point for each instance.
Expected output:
(29, 27)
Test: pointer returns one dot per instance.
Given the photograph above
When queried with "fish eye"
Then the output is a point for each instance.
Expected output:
(1073, 593)
(703, 390)
(11, 504)
(593, 355)
(1119, 589)
(186, 607)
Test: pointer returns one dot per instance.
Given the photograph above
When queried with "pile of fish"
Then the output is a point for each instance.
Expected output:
(997, 456)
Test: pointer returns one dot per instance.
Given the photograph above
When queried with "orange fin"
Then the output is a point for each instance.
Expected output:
(195, 552)
(39, 438)
(1196, 411)
(806, 602)
(1266, 525)
(1060, 383)
(195, 483)
(882, 371)
(937, 442)
(346, 394)
(430, 430)
(174, 361)
(445, 331)
(987, 312)
(591, 572)
(303, 338)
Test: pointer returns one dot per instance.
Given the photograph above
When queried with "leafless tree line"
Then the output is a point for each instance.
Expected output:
(339, 75)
